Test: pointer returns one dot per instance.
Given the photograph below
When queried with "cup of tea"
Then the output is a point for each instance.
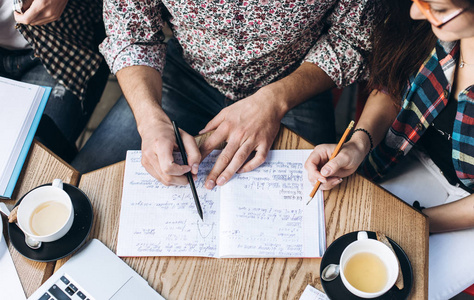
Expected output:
(368, 268)
(45, 214)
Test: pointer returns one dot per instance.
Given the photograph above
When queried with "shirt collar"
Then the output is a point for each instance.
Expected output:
(448, 56)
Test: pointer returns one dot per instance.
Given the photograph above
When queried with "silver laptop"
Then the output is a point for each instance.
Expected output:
(95, 273)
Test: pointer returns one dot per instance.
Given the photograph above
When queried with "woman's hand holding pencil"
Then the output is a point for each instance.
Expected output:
(329, 163)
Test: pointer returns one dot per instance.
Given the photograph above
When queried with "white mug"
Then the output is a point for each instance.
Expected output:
(366, 246)
(45, 214)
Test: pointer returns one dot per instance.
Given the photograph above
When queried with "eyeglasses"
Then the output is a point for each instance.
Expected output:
(438, 21)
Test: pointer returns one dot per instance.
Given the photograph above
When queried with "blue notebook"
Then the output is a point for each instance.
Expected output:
(37, 93)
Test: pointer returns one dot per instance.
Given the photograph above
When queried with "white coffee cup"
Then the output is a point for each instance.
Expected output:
(45, 214)
(369, 258)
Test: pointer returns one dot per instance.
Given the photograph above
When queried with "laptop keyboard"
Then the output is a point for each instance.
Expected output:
(64, 289)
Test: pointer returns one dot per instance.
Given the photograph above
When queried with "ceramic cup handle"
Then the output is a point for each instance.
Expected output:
(58, 183)
(362, 235)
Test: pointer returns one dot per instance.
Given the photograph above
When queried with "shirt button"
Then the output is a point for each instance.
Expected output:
(399, 152)
(419, 127)
(446, 93)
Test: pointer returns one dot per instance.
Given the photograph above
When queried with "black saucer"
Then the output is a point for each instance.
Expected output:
(78, 233)
(336, 290)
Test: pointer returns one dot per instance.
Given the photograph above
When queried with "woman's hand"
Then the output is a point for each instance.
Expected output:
(331, 172)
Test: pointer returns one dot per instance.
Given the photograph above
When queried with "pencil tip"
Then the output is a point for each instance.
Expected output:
(310, 198)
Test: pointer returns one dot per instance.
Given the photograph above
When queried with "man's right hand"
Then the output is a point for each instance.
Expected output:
(141, 86)
(158, 144)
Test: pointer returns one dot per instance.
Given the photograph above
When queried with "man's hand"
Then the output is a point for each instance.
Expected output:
(249, 125)
(158, 143)
(40, 12)
(141, 86)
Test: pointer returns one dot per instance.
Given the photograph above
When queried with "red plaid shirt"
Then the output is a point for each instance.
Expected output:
(426, 96)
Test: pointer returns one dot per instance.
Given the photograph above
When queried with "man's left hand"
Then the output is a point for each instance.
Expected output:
(249, 125)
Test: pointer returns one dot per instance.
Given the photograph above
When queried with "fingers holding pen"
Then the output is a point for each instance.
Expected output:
(160, 164)
(192, 152)
(316, 160)
(329, 172)
(158, 146)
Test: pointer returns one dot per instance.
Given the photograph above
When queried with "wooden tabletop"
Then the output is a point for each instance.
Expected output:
(41, 166)
(356, 204)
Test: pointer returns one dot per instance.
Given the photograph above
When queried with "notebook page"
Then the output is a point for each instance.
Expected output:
(19, 102)
(159, 220)
(264, 212)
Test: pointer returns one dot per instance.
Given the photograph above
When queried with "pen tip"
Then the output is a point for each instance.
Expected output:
(310, 198)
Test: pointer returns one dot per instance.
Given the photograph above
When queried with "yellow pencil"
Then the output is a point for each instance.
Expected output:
(334, 153)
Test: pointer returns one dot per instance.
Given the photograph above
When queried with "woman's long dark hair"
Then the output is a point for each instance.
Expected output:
(400, 45)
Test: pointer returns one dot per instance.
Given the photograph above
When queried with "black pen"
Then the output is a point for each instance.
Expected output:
(189, 175)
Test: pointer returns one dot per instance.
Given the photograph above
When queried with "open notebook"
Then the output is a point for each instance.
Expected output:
(22, 107)
(262, 213)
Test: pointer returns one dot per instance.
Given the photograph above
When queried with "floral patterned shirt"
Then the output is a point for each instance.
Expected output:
(239, 46)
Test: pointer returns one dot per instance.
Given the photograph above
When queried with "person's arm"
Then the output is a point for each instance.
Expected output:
(141, 86)
(135, 52)
(342, 51)
(40, 12)
(456, 215)
(251, 124)
(379, 113)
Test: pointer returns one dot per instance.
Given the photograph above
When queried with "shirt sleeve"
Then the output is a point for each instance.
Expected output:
(135, 35)
(342, 51)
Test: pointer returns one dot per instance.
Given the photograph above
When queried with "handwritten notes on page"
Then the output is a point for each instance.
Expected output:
(159, 220)
(262, 213)
(265, 211)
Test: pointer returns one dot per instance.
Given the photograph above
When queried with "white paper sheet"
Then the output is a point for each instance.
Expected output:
(10, 285)
(311, 293)
(162, 220)
(19, 102)
(262, 213)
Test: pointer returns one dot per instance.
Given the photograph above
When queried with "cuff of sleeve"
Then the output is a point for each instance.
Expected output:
(342, 64)
(134, 55)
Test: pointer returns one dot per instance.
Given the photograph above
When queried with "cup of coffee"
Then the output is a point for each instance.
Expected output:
(368, 268)
(45, 214)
